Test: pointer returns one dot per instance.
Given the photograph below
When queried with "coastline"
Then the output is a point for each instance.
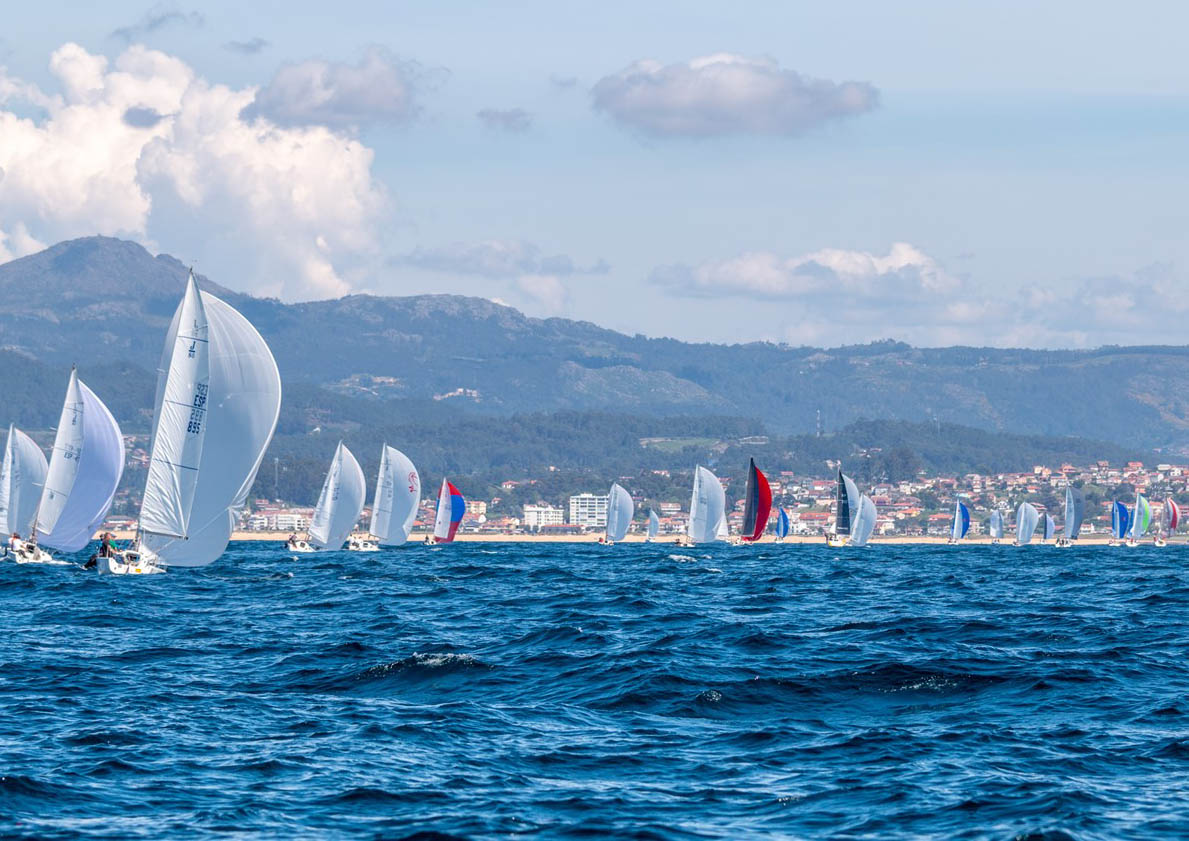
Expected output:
(671, 540)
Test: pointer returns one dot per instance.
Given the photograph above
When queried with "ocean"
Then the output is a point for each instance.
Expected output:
(582, 691)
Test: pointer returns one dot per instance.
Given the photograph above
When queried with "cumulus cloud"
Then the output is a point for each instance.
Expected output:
(726, 94)
(379, 89)
(250, 47)
(498, 258)
(157, 18)
(144, 145)
(513, 120)
(547, 291)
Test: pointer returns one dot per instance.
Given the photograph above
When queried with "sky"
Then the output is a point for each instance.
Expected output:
(1007, 174)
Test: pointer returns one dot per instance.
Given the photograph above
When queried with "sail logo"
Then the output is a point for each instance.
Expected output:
(412, 481)
(197, 409)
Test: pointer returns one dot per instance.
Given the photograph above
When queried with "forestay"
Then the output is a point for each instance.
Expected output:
(218, 399)
(398, 493)
(84, 471)
(340, 502)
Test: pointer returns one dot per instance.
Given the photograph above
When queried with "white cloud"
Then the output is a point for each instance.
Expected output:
(497, 258)
(512, 120)
(835, 296)
(380, 88)
(157, 18)
(142, 145)
(252, 46)
(546, 291)
(726, 94)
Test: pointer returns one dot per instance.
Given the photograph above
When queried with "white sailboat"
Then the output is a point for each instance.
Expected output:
(1075, 512)
(218, 399)
(620, 510)
(85, 468)
(398, 493)
(1027, 518)
(654, 525)
(707, 508)
(22, 478)
(846, 508)
(339, 504)
(995, 527)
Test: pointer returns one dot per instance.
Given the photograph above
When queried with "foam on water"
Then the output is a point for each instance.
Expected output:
(488, 691)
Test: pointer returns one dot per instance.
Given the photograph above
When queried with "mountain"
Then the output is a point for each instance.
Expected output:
(105, 302)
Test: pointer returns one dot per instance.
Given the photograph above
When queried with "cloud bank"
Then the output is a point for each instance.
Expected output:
(835, 296)
(726, 94)
(142, 143)
(522, 266)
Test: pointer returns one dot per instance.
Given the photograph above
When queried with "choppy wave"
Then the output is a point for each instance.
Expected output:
(630, 691)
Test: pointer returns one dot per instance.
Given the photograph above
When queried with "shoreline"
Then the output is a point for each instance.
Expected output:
(672, 540)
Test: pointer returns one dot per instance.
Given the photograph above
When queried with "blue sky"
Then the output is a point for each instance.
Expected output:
(934, 172)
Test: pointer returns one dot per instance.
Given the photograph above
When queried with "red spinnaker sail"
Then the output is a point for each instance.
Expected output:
(757, 505)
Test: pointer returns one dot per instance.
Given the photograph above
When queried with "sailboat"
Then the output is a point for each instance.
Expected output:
(218, 399)
(1048, 527)
(1120, 521)
(1027, 518)
(84, 471)
(620, 510)
(995, 526)
(22, 477)
(707, 508)
(961, 524)
(654, 525)
(846, 508)
(1141, 518)
(864, 525)
(1172, 519)
(339, 505)
(398, 493)
(782, 524)
(451, 509)
(1075, 512)
(757, 504)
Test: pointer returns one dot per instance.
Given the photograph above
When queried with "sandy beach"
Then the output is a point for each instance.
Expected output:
(420, 537)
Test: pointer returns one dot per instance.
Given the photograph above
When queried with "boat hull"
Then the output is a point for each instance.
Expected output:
(31, 553)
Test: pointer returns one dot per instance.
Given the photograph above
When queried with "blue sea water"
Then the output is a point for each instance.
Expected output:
(585, 691)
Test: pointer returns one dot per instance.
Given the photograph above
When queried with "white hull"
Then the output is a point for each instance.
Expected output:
(31, 553)
(835, 541)
(129, 562)
(301, 547)
(357, 545)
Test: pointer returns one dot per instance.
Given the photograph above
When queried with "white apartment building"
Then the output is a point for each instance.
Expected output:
(536, 516)
(588, 510)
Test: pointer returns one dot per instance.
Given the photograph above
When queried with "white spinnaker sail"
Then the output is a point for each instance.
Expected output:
(22, 477)
(864, 526)
(1027, 518)
(707, 507)
(340, 503)
(85, 469)
(218, 399)
(620, 510)
(654, 524)
(398, 493)
(996, 526)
